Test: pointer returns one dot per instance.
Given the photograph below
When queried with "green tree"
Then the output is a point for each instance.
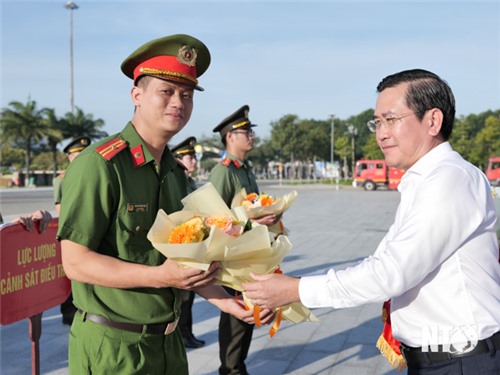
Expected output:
(465, 130)
(23, 125)
(261, 154)
(79, 124)
(371, 150)
(486, 142)
(293, 138)
(10, 157)
(54, 135)
(284, 136)
(364, 135)
(343, 150)
(315, 140)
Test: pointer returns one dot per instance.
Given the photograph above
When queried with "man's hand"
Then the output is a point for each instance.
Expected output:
(268, 220)
(236, 307)
(173, 275)
(273, 290)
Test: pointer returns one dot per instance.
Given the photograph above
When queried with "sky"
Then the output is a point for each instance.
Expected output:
(310, 59)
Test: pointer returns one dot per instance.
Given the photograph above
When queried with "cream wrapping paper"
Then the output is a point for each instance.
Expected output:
(253, 251)
(277, 208)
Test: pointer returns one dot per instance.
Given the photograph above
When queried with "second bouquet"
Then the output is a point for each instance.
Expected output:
(206, 230)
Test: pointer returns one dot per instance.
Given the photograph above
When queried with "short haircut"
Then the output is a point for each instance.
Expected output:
(143, 81)
(426, 90)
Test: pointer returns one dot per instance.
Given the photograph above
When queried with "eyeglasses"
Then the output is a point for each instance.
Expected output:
(249, 133)
(389, 122)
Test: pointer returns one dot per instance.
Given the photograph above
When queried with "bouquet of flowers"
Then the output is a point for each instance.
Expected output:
(260, 205)
(197, 228)
(206, 230)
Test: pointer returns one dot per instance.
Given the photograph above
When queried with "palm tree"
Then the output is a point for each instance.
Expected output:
(80, 124)
(54, 134)
(23, 125)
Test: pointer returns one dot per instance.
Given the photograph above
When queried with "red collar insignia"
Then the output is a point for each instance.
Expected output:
(138, 157)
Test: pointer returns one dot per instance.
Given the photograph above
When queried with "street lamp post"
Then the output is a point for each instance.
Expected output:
(71, 6)
(354, 132)
(332, 145)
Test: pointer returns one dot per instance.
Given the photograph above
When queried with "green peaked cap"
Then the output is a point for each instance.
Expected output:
(181, 58)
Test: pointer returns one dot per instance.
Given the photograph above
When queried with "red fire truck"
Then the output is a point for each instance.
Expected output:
(493, 170)
(371, 174)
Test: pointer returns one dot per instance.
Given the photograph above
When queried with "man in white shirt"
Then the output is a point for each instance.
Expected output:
(438, 262)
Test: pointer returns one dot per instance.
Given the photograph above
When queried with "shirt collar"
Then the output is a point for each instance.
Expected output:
(141, 152)
(232, 157)
(426, 163)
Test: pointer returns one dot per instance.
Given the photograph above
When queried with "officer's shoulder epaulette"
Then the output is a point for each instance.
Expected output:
(109, 149)
(180, 164)
(226, 162)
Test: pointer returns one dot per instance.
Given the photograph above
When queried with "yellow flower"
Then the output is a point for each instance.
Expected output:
(193, 230)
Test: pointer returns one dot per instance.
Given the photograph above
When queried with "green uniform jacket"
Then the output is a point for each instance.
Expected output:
(58, 188)
(230, 176)
(109, 206)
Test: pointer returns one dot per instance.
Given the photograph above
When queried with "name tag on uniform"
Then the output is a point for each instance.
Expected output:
(133, 207)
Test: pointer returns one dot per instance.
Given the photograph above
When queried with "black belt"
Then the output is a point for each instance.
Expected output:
(156, 328)
(416, 356)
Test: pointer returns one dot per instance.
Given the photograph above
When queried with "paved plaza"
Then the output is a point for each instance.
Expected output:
(329, 227)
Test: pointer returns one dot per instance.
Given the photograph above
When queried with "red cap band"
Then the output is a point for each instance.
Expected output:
(167, 67)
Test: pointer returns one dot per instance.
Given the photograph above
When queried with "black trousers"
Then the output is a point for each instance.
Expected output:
(186, 318)
(235, 337)
(479, 364)
(68, 310)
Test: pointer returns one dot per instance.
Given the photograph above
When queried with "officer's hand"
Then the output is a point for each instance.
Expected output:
(44, 217)
(173, 275)
(237, 308)
(28, 221)
(268, 219)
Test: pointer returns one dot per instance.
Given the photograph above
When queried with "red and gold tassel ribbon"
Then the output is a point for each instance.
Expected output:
(387, 344)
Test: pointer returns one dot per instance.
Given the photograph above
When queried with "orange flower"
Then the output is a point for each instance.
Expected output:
(251, 197)
(255, 200)
(225, 223)
(193, 230)
(266, 200)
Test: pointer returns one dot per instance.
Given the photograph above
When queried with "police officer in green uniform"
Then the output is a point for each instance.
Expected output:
(185, 153)
(126, 291)
(72, 150)
(229, 176)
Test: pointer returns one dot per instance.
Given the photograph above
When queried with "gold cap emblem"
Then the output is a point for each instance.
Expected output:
(187, 56)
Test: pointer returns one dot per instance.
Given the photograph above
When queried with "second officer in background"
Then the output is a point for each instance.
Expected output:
(185, 153)
(72, 150)
(228, 177)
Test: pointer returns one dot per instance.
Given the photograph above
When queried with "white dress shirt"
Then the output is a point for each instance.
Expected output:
(438, 262)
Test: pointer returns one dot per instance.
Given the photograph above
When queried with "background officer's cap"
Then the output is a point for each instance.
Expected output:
(179, 58)
(77, 145)
(238, 120)
(186, 147)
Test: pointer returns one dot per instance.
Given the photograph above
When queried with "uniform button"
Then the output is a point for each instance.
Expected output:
(137, 228)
